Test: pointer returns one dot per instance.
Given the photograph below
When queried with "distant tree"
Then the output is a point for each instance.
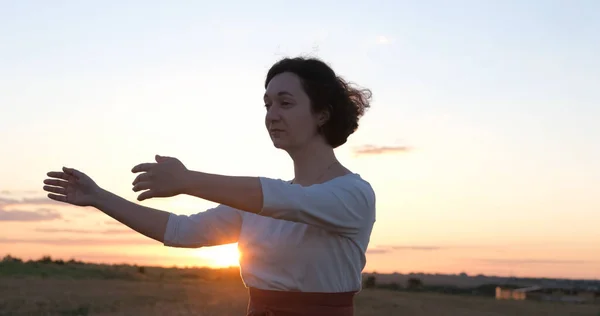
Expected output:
(45, 260)
(9, 258)
(414, 283)
(370, 282)
(463, 274)
(73, 261)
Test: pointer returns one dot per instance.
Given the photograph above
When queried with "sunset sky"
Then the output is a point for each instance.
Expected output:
(482, 144)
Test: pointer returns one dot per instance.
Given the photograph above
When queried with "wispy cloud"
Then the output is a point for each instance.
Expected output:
(376, 251)
(80, 241)
(530, 261)
(379, 150)
(10, 202)
(389, 249)
(19, 192)
(29, 216)
(43, 208)
(29, 209)
(421, 248)
(83, 231)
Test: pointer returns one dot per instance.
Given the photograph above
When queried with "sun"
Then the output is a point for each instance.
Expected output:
(221, 256)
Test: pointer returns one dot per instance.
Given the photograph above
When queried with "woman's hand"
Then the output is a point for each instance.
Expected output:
(71, 186)
(164, 178)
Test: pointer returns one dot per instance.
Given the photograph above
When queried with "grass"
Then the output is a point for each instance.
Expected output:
(37, 288)
(36, 296)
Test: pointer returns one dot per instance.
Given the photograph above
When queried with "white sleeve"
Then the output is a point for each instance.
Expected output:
(343, 205)
(216, 226)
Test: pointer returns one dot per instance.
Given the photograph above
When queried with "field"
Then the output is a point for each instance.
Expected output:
(83, 289)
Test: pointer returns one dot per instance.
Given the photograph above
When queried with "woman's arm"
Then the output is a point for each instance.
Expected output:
(242, 193)
(217, 226)
(342, 205)
(145, 220)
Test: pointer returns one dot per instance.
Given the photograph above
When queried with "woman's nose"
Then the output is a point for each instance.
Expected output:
(272, 114)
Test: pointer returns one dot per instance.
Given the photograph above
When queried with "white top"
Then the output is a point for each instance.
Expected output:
(309, 239)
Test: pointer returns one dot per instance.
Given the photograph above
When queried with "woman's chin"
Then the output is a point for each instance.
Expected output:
(279, 143)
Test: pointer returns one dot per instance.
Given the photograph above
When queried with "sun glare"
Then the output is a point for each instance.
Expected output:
(221, 256)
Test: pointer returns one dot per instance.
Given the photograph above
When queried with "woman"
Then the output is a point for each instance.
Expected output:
(302, 242)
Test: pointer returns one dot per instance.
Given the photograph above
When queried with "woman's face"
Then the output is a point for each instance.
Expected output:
(289, 119)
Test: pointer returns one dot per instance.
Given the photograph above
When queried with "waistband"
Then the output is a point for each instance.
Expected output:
(296, 298)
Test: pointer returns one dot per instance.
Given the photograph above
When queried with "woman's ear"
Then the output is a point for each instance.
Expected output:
(323, 118)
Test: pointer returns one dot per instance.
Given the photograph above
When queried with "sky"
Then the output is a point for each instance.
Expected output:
(482, 142)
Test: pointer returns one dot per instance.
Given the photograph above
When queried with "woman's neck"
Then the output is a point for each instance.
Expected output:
(312, 163)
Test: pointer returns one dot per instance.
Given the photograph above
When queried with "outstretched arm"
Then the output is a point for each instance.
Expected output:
(216, 226)
(169, 177)
(342, 205)
(242, 193)
(75, 187)
(145, 220)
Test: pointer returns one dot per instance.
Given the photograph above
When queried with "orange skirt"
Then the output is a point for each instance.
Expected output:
(283, 303)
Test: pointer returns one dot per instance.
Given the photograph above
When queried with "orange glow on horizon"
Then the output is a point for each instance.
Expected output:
(221, 256)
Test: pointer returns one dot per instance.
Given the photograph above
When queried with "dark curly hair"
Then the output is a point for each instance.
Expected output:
(327, 92)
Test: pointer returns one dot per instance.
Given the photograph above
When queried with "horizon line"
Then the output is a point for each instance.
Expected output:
(597, 279)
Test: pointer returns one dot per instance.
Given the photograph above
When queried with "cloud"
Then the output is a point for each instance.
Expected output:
(379, 150)
(389, 249)
(422, 248)
(84, 231)
(530, 261)
(29, 216)
(378, 251)
(18, 192)
(11, 207)
(29, 201)
(5, 201)
(383, 40)
(80, 241)
(9, 213)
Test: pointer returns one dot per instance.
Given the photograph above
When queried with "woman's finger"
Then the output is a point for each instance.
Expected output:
(58, 183)
(141, 178)
(57, 190)
(56, 197)
(73, 172)
(143, 167)
(141, 186)
(58, 174)
(146, 195)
